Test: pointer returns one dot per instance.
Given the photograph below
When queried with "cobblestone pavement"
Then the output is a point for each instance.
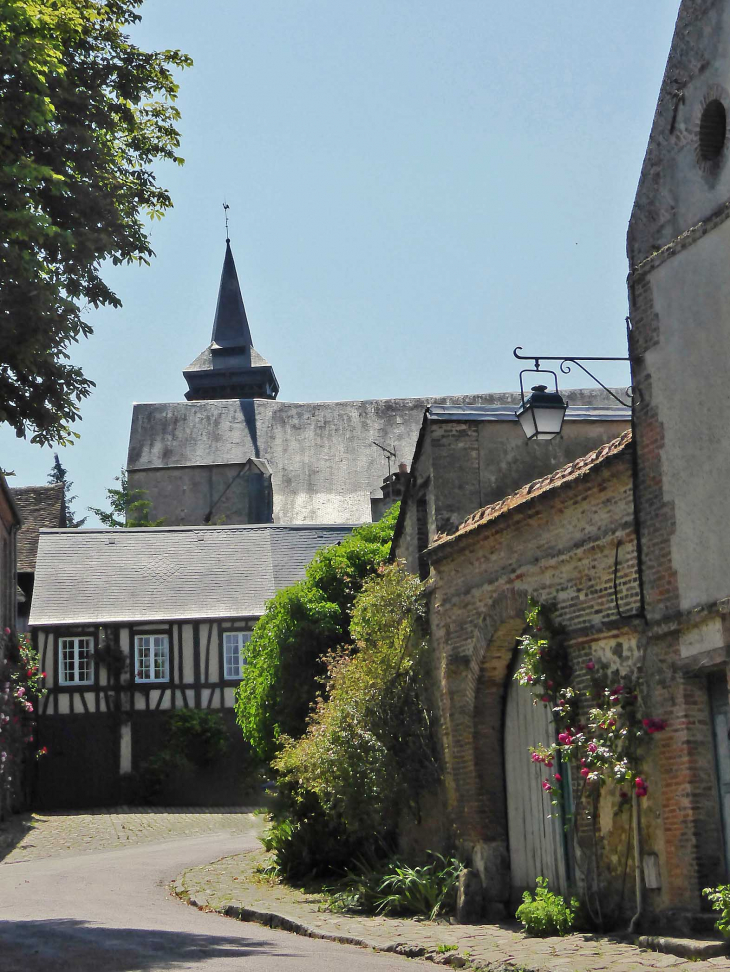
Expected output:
(232, 883)
(33, 836)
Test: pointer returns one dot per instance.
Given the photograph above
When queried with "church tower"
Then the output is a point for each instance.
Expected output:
(230, 367)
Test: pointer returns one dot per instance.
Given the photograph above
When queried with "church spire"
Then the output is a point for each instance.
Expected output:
(230, 328)
(230, 367)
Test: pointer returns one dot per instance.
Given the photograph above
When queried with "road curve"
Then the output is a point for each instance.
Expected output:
(110, 911)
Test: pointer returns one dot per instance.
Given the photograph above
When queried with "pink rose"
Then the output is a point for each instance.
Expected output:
(585, 771)
(558, 777)
(590, 665)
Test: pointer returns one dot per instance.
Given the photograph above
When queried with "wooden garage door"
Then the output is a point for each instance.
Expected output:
(536, 834)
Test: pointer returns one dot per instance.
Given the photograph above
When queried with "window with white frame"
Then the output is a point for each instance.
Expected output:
(75, 661)
(152, 658)
(234, 656)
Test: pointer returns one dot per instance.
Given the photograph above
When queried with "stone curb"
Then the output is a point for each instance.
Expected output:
(680, 947)
(272, 920)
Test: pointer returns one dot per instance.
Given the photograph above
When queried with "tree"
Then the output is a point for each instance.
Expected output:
(286, 656)
(58, 474)
(128, 508)
(84, 115)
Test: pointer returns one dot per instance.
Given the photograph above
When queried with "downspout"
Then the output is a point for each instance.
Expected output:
(637, 867)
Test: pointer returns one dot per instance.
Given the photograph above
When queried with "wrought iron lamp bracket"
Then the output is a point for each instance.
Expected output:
(565, 366)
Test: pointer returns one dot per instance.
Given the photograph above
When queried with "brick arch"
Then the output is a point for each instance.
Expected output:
(475, 715)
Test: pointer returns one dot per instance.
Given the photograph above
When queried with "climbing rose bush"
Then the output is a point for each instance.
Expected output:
(21, 689)
(607, 747)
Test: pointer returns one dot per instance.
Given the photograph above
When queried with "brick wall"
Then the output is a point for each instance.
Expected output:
(559, 548)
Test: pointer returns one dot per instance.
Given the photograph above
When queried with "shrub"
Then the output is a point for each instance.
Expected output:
(719, 898)
(368, 751)
(195, 738)
(302, 623)
(308, 844)
(394, 888)
(154, 774)
(547, 913)
(199, 735)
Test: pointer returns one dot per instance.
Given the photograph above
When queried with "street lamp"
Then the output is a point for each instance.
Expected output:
(541, 415)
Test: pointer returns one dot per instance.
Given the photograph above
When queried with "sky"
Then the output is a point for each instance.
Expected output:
(415, 189)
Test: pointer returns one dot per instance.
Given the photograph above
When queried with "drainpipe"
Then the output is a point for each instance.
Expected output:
(637, 866)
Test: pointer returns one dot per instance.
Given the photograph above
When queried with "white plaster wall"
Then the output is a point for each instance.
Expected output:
(691, 388)
(188, 654)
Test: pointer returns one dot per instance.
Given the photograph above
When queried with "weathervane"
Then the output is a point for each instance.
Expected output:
(226, 207)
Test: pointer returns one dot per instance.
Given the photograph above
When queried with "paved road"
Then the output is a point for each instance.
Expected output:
(109, 911)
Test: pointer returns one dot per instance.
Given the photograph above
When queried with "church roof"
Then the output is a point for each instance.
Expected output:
(169, 573)
(322, 455)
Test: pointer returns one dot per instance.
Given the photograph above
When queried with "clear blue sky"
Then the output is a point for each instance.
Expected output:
(415, 188)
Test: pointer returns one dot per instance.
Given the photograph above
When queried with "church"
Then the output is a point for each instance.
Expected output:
(232, 453)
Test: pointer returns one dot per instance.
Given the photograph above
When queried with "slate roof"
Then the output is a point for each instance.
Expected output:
(39, 506)
(230, 328)
(169, 573)
(322, 457)
(561, 477)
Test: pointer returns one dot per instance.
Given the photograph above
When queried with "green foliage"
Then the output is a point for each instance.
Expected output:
(368, 752)
(546, 914)
(301, 625)
(22, 686)
(719, 898)
(58, 474)
(127, 508)
(85, 116)
(198, 734)
(195, 738)
(394, 888)
(308, 846)
(155, 772)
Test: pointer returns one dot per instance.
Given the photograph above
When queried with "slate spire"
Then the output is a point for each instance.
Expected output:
(230, 367)
(230, 328)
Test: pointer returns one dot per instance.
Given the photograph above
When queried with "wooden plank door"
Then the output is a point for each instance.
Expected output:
(535, 827)
(721, 726)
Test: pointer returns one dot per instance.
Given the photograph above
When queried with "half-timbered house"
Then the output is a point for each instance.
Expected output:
(131, 624)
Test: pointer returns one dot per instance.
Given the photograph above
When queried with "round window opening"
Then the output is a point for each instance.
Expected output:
(713, 128)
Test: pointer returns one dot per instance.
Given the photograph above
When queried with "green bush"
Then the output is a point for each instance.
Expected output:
(200, 735)
(719, 898)
(368, 752)
(547, 913)
(154, 774)
(308, 845)
(301, 624)
(394, 888)
(196, 738)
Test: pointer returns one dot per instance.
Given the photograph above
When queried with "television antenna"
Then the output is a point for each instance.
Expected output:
(390, 454)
